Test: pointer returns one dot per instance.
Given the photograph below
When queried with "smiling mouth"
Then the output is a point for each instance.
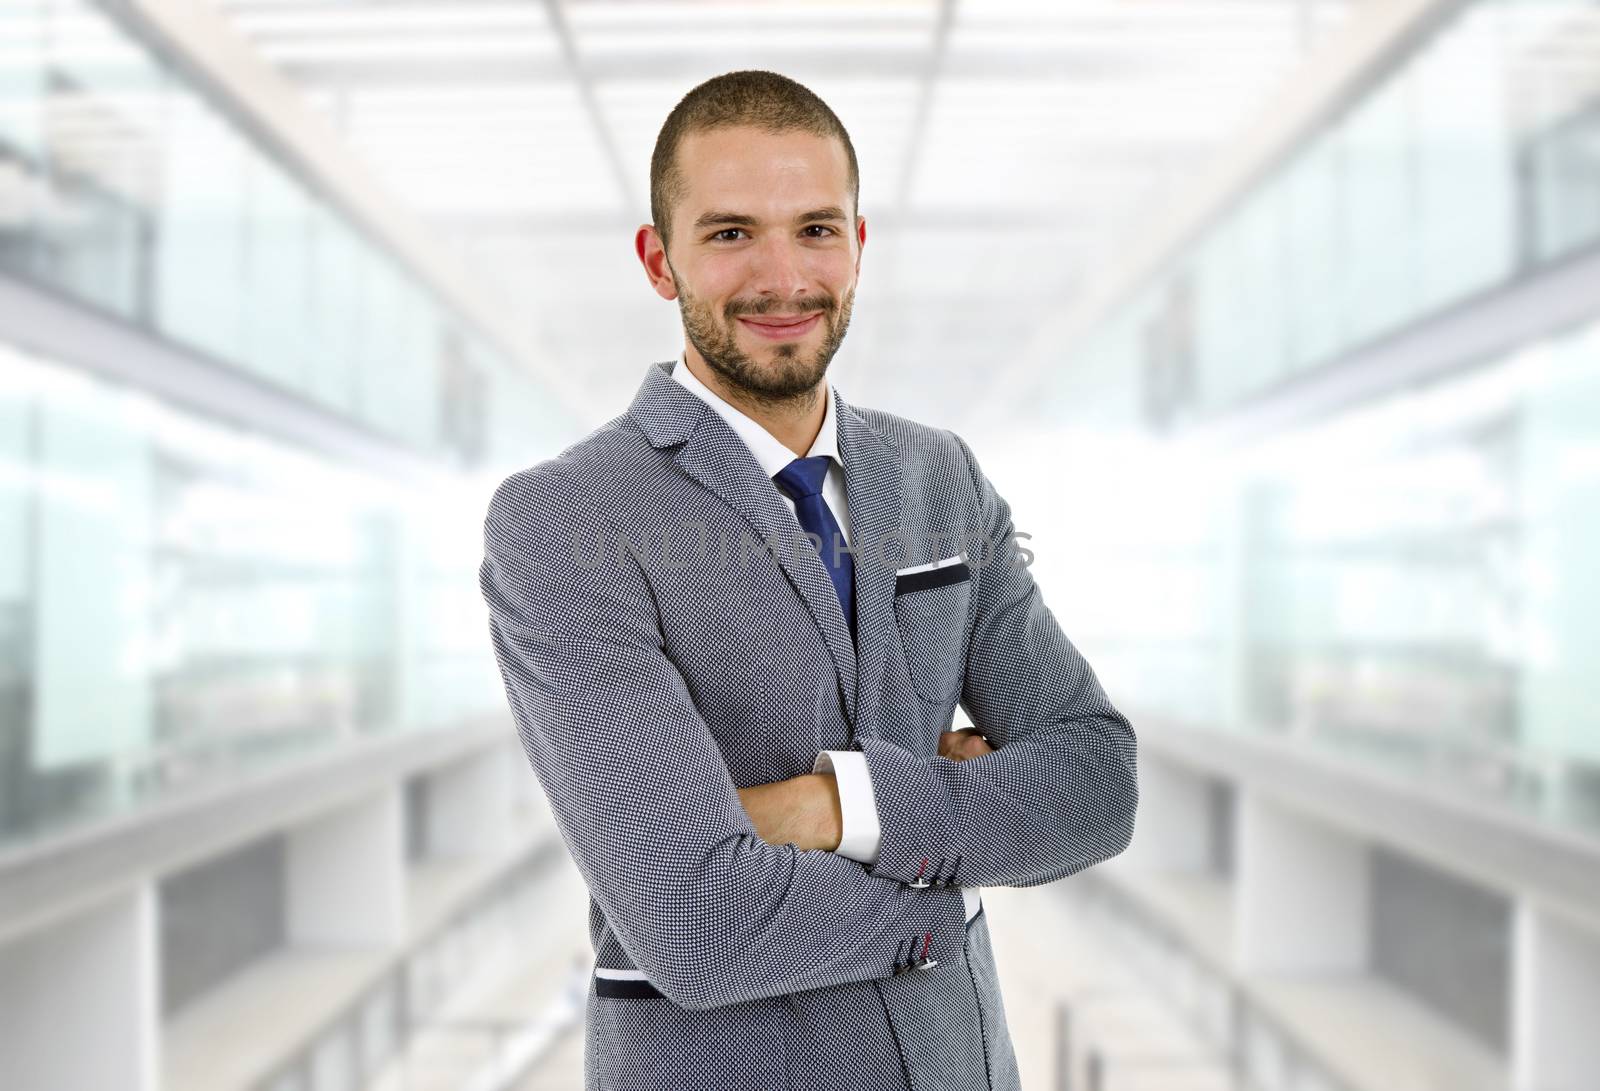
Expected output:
(779, 328)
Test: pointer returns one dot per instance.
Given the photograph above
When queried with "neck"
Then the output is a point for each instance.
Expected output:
(793, 422)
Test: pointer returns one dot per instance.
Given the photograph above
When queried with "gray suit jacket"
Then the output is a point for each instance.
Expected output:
(664, 639)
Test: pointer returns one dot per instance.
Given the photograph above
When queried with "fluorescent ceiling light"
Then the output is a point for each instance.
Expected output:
(555, 128)
(812, 39)
(494, 147)
(1210, 45)
(376, 19)
(464, 98)
(680, 17)
(455, 48)
(1034, 13)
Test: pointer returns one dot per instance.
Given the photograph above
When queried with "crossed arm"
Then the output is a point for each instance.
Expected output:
(1056, 794)
(805, 811)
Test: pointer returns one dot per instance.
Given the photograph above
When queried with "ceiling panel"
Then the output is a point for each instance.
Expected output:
(1006, 148)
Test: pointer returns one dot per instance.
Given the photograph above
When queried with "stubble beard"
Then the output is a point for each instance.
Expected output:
(794, 373)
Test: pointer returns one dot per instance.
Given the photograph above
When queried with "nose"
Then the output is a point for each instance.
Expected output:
(779, 269)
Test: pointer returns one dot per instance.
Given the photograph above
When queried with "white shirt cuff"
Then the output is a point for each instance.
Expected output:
(860, 835)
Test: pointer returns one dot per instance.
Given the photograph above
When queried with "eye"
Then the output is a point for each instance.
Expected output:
(819, 227)
(725, 231)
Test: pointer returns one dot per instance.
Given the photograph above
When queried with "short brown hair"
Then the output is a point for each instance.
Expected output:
(753, 97)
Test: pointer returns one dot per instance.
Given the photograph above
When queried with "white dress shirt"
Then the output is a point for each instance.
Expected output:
(861, 834)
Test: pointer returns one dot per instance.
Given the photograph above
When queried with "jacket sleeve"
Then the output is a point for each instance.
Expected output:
(707, 910)
(1060, 789)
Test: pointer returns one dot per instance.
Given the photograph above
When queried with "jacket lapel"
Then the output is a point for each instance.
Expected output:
(872, 477)
(714, 455)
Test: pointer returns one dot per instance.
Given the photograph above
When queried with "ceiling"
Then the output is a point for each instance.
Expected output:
(1006, 148)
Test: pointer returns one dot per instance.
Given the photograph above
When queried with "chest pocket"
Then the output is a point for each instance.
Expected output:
(930, 609)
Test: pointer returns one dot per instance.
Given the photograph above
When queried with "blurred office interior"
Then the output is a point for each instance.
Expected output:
(1276, 321)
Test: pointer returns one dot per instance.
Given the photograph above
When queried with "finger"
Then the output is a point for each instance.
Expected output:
(977, 748)
(963, 744)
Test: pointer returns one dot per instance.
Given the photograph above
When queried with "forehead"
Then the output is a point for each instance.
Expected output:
(750, 166)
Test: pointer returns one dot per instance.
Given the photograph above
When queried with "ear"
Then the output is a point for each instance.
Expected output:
(653, 256)
(861, 242)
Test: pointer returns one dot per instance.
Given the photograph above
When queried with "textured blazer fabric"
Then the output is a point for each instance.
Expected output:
(665, 640)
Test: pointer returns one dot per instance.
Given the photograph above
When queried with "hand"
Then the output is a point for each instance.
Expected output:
(802, 811)
(963, 744)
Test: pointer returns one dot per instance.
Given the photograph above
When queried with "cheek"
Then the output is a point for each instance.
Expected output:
(719, 279)
(834, 269)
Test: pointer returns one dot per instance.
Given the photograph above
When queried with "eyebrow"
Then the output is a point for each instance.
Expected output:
(739, 219)
(830, 213)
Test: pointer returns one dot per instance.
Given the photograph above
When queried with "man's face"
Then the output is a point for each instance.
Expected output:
(764, 256)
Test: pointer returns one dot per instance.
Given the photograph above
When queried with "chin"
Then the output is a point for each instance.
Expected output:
(784, 350)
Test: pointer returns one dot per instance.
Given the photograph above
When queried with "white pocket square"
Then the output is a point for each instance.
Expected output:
(931, 565)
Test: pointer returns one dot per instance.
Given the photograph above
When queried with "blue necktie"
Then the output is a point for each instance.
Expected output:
(801, 481)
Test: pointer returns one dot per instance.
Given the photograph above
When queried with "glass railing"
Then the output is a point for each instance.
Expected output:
(1469, 165)
(181, 601)
(1410, 585)
(126, 188)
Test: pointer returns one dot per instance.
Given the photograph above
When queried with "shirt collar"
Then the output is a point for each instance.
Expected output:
(770, 454)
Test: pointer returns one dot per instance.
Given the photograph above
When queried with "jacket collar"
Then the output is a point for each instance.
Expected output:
(711, 452)
(769, 453)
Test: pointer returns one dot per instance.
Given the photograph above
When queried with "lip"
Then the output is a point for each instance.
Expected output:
(782, 328)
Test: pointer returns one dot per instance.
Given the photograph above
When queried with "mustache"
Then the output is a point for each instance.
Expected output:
(823, 303)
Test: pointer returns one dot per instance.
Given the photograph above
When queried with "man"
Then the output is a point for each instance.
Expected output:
(734, 624)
